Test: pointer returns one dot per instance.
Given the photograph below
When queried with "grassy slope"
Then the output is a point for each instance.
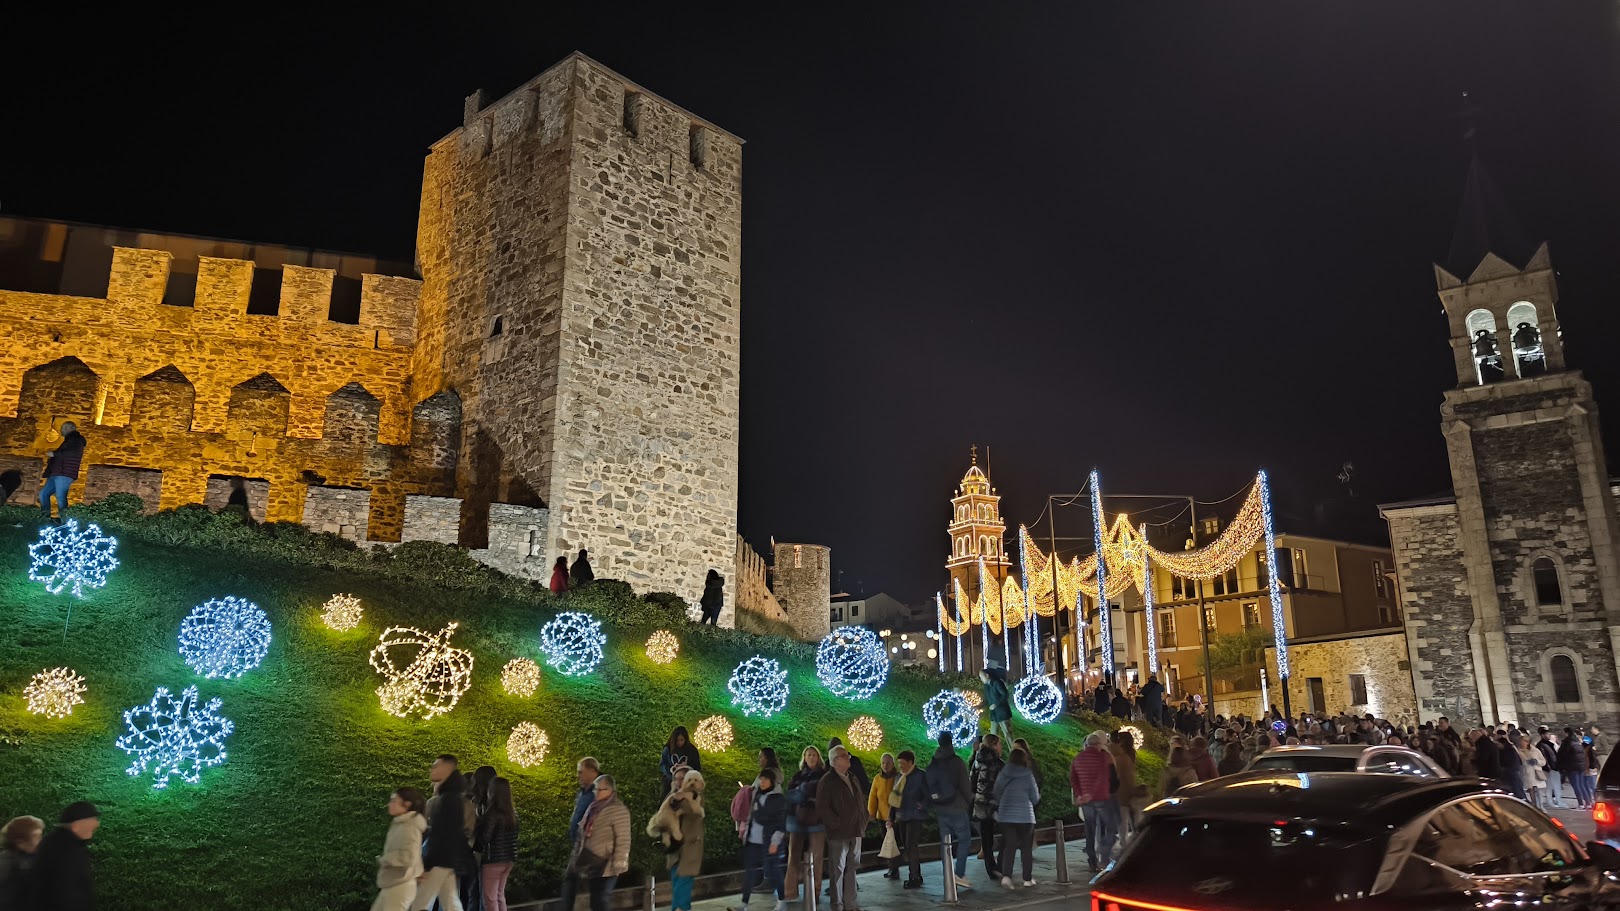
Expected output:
(297, 810)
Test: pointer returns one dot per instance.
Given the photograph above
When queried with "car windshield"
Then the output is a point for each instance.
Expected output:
(1219, 858)
(1305, 762)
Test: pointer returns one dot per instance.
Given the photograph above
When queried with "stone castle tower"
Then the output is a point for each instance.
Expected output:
(580, 247)
(564, 375)
(1511, 587)
(802, 581)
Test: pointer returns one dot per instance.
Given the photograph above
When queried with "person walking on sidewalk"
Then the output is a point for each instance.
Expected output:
(843, 810)
(1090, 777)
(400, 863)
(987, 765)
(497, 842)
(601, 853)
(951, 795)
(764, 838)
(1017, 794)
(908, 804)
(447, 849)
(877, 805)
(806, 832)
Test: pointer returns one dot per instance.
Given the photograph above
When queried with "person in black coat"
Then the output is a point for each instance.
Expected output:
(446, 850)
(1487, 759)
(581, 573)
(63, 876)
(714, 594)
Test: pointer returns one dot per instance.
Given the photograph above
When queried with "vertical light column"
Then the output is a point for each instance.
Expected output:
(939, 617)
(1105, 632)
(1147, 602)
(1279, 626)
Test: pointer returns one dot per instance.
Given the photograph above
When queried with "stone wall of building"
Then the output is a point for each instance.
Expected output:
(751, 580)
(803, 586)
(517, 542)
(436, 519)
(580, 251)
(341, 511)
(186, 397)
(1381, 661)
(1436, 608)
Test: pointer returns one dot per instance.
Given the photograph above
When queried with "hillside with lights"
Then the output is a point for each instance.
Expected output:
(239, 701)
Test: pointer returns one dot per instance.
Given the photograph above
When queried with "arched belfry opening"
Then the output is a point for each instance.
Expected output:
(1487, 353)
(1529, 357)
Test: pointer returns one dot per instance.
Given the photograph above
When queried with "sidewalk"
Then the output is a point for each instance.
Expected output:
(875, 893)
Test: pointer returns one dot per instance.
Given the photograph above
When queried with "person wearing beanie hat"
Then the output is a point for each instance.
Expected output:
(63, 877)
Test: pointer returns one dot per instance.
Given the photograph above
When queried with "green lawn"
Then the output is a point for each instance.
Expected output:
(294, 818)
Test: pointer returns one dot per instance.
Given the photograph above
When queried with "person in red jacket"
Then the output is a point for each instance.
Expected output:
(559, 576)
(1203, 763)
(1091, 779)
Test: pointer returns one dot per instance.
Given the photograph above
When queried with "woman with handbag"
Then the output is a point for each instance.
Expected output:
(805, 831)
(877, 807)
(602, 849)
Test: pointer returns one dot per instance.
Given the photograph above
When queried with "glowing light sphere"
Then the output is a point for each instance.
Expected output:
(54, 693)
(865, 734)
(520, 677)
(662, 647)
(973, 698)
(1037, 698)
(225, 637)
(712, 734)
(342, 613)
(527, 744)
(1137, 737)
(851, 662)
(67, 556)
(174, 737)
(759, 687)
(427, 683)
(573, 643)
(949, 711)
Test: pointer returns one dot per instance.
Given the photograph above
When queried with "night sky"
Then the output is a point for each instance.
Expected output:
(1177, 242)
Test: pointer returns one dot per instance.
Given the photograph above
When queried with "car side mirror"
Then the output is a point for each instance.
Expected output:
(1604, 855)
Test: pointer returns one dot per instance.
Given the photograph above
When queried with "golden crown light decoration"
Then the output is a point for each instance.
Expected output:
(422, 673)
(520, 677)
(527, 744)
(713, 734)
(54, 693)
(341, 613)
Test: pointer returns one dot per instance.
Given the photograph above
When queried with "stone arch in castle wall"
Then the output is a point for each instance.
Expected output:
(352, 416)
(257, 409)
(61, 390)
(164, 401)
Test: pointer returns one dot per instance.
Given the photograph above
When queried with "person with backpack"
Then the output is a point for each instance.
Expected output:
(987, 764)
(908, 806)
(764, 837)
(1091, 777)
(950, 794)
(806, 833)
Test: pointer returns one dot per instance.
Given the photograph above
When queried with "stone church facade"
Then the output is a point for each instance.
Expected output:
(1510, 586)
(564, 374)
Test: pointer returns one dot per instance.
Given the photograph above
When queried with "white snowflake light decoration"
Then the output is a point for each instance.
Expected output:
(342, 613)
(66, 555)
(225, 637)
(949, 711)
(527, 744)
(713, 734)
(1037, 698)
(759, 687)
(1136, 734)
(852, 662)
(170, 737)
(865, 734)
(662, 647)
(520, 677)
(573, 643)
(430, 682)
(54, 693)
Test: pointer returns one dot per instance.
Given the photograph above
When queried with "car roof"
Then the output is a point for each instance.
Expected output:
(1347, 799)
(1347, 750)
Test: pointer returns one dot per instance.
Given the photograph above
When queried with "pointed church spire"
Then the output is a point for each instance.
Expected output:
(1484, 226)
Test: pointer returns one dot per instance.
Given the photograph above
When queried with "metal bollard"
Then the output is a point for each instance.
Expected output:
(946, 856)
(808, 880)
(652, 893)
(1062, 842)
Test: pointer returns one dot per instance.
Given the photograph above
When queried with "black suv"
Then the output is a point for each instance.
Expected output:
(1606, 805)
(1297, 840)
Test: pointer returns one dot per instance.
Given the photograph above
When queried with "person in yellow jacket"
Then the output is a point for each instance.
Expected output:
(877, 804)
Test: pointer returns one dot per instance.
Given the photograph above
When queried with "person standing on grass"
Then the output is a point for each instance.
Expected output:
(714, 596)
(1017, 795)
(908, 805)
(581, 573)
(18, 841)
(843, 809)
(559, 576)
(446, 849)
(400, 863)
(61, 470)
(877, 805)
(601, 852)
(764, 838)
(497, 842)
(64, 879)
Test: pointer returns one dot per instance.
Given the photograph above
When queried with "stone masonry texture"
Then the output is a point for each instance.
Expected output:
(571, 351)
(803, 575)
